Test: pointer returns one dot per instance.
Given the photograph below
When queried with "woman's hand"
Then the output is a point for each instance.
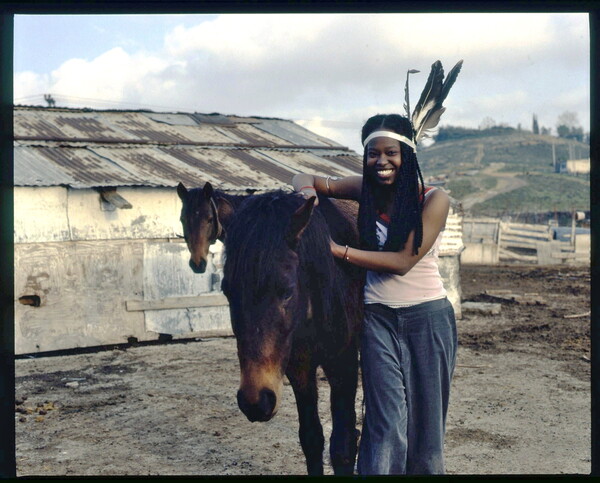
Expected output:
(336, 250)
(308, 192)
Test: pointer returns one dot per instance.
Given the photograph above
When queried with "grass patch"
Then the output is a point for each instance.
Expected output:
(544, 192)
(460, 187)
(488, 182)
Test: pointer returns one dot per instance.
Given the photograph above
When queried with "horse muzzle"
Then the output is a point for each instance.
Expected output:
(261, 410)
(198, 267)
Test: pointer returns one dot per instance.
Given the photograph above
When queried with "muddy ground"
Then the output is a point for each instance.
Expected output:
(520, 401)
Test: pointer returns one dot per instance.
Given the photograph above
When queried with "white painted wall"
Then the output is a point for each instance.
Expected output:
(85, 264)
(62, 214)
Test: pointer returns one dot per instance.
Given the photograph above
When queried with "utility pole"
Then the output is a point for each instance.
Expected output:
(570, 150)
(554, 156)
(574, 217)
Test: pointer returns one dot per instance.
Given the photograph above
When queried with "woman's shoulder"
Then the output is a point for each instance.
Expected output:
(436, 199)
(433, 191)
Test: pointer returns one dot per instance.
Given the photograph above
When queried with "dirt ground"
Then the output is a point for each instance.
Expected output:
(520, 400)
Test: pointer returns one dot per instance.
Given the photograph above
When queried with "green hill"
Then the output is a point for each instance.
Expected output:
(505, 171)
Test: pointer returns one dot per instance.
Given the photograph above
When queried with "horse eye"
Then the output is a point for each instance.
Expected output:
(286, 294)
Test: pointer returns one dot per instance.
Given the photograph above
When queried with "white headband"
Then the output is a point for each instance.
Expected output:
(389, 134)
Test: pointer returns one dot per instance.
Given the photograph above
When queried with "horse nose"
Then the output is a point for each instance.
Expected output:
(263, 410)
(198, 267)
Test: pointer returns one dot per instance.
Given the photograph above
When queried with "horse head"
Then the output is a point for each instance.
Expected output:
(267, 297)
(203, 216)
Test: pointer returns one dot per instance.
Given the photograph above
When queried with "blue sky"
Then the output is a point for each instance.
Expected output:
(328, 72)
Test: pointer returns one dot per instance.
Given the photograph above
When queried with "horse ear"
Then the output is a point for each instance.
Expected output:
(182, 191)
(299, 222)
(226, 211)
(208, 190)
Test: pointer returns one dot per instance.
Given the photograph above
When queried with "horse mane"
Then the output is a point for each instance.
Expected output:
(257, 234)
(197, 195)
(235, 200)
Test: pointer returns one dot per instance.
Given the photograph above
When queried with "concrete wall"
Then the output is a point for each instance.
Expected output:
(103, 276)
(61, 214)
(480, 254)
(98, 276)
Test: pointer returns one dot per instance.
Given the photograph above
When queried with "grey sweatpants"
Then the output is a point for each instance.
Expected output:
(407, 358)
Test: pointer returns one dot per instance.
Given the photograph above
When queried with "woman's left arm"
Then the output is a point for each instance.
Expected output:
(435, 212)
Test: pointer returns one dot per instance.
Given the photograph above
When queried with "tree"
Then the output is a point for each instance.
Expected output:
(567, 126)
(487, 123)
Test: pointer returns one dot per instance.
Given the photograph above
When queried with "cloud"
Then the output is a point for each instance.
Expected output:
(341, 67)
(29, 84)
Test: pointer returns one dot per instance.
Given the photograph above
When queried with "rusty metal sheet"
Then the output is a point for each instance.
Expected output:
(307, 162)
(234, 168)
(31, 168)
(190, 128)
(214, 118)
(173, 119)
(193, 166)
(151, 165)
(49, 124)
(294, 134)
(144, 128)
(82, 148)
(71, 166)
(352, 162)
(247, 134)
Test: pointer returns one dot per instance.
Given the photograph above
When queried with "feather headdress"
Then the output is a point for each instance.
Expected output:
(429, 109)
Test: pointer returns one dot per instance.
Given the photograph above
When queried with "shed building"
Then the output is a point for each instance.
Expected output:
(98, 257)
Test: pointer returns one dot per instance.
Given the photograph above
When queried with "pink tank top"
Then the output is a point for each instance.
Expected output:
(421, 284)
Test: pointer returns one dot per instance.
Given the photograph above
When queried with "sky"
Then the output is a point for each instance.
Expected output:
(327, 72)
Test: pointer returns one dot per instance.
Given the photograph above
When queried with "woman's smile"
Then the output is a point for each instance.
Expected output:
(384, 159)
(384, 173)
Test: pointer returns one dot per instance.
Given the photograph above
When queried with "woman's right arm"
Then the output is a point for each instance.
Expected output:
(348, 188)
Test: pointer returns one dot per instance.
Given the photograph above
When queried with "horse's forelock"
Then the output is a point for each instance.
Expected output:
(256, 236)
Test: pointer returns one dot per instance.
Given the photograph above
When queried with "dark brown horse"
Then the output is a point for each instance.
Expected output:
(293, 308)
(205, 216)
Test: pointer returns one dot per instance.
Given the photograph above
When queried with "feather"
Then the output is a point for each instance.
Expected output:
(429, 109)
(406, 97)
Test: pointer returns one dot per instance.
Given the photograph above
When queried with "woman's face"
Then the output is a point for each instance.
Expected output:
(384, 160)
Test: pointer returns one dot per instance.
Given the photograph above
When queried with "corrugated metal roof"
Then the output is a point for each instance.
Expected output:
(172, 119)
(31, 168)
(75, 167)
(84, 148)
(309, 162)
(294, 134)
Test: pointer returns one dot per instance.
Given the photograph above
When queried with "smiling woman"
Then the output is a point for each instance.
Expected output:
(408, 340)
(406, 308)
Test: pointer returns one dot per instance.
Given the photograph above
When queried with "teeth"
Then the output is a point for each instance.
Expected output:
(385, 172)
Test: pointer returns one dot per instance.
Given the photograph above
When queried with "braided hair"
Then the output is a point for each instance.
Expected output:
(407, 205)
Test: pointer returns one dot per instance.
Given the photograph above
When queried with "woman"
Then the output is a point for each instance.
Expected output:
(409, 341)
